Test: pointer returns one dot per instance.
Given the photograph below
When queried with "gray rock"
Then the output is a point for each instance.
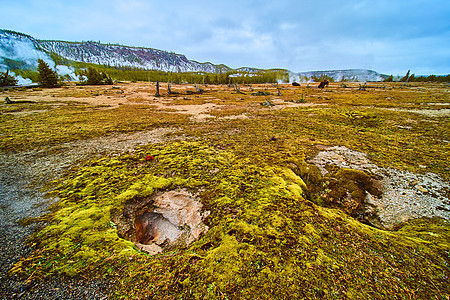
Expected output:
(405, 195)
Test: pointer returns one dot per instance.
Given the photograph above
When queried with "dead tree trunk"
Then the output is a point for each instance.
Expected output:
(199, 90)
(157, 89)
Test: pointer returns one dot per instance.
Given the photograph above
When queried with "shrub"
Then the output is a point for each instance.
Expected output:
(93, 77)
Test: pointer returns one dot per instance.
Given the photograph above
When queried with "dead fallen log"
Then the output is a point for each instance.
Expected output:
(9, 101)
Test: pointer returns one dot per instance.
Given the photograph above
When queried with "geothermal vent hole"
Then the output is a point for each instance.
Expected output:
(152, 227)
(172, 218)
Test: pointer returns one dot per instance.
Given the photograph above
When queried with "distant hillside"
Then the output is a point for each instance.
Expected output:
(124, 56)
(340, 75)
(19, 51)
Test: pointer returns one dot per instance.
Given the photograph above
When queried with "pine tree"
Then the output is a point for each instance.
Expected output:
(47, 77)
(93, 76)
(6, 79)
(389, 79)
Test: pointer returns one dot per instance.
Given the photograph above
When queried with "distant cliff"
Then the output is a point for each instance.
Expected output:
(20, 51)
(124, 56)
(339, 75)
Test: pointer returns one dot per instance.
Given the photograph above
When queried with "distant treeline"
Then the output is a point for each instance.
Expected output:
(136, 74)
(432, 78)
(124, 73)
(127, 73)
(413, 78)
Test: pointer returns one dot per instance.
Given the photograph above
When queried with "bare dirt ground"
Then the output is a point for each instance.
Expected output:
(144, 94)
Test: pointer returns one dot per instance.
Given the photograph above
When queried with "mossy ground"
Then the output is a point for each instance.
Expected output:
(267, 240)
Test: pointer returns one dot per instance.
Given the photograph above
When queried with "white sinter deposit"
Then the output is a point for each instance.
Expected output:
(405, 195)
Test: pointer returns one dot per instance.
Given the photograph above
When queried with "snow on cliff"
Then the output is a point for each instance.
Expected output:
(123, 56)
(18, 51)
(338, 75)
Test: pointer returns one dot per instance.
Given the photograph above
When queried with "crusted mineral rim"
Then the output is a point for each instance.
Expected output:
(168, 219)
(404, 195)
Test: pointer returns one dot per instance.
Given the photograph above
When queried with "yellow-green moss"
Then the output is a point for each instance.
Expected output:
(265, 239)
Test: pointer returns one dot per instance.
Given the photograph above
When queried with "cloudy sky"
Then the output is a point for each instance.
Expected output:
(389, 36)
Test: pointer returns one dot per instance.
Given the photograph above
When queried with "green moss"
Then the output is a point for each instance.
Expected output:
(144, 188)
(431, 230)
(225, 262)
(264, 238)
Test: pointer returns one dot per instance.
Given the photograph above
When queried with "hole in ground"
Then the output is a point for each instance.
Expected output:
(152, 227)
(172, 218)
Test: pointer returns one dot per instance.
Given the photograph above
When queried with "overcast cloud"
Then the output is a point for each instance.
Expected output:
(386, 36)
